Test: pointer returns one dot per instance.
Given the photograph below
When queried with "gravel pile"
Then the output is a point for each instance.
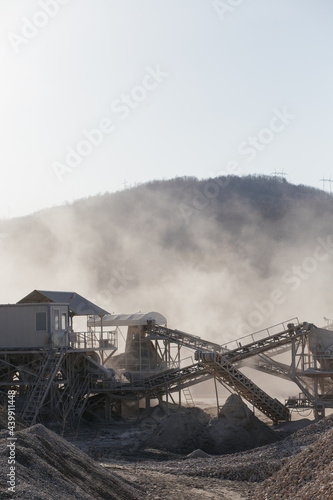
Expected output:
(178, 432)
(306, 476)
(48, 467)
(266, 462)
(299, 466)
(236, 429)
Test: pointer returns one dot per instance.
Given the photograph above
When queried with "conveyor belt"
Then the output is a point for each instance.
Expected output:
(218, 361)
(242, 351)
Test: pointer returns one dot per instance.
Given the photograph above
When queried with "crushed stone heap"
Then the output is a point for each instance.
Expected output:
(178, 432)
(236, 429)
(48, 467)
(305, 476)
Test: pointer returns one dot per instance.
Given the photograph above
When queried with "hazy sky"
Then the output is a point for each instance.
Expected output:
(175, 87)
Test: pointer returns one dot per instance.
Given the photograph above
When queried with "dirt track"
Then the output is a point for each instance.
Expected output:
(164, 486)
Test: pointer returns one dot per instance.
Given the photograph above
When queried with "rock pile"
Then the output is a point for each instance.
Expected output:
(306, 476)
(298, 463)
(236, 429)
(179, 432)
(48, 467)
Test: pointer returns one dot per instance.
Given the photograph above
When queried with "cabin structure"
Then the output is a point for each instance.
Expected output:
(33, 325)
(45, 318)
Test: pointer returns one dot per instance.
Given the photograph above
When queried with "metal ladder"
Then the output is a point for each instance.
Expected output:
(42, 386)
(188, 396)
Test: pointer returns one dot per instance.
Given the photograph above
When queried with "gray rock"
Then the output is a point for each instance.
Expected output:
(198, 454)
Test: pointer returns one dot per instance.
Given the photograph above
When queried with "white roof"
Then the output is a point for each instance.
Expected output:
(133, 319)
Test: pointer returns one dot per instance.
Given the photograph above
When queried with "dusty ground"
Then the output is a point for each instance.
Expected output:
(164, 486)
(163, 475)
(114, 461)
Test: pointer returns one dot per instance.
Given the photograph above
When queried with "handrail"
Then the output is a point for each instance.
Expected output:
(265, 331)
(91, 340)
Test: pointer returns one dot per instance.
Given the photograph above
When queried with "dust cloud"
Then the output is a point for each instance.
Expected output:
(220, 258)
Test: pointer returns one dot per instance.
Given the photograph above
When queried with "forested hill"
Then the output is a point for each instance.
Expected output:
(202, 252)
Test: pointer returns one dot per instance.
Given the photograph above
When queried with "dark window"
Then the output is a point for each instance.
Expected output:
(41, 322)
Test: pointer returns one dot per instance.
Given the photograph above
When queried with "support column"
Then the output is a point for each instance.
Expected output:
(293, 359)
(217, 397)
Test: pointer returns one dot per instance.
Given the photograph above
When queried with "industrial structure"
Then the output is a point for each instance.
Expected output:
(58, 372)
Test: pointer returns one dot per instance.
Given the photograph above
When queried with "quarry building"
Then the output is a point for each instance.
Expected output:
(59, 372)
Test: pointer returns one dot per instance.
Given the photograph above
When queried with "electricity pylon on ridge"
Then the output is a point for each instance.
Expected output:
(324, 180)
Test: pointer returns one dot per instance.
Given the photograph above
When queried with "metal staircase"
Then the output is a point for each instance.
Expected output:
(42, 386)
